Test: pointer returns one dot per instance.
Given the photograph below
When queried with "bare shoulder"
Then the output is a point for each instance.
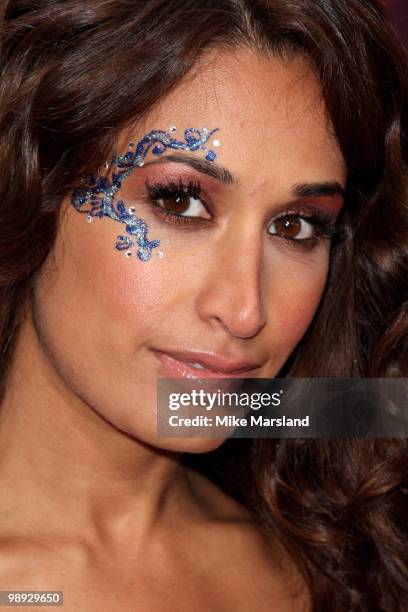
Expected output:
(253, 563)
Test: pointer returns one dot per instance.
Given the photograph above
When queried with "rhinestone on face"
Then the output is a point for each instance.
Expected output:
(210, 156)
(160, 254)
(132, 210)
(172, 128)
(216, 143)
(128, 253)
(89, 218)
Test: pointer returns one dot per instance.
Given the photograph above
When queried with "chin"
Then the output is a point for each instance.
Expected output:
(189, 445)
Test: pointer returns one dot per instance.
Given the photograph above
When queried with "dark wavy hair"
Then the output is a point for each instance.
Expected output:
(75, 72)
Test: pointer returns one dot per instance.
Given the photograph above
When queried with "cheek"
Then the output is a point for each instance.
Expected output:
(117, 292)
(296, 314)
(295, 301)
(131, 291)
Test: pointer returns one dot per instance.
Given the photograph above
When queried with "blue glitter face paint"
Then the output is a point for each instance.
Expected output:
(96, 196)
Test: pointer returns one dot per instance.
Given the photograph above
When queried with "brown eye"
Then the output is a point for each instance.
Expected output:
(184, 205)
(177, 204)
(294, 228)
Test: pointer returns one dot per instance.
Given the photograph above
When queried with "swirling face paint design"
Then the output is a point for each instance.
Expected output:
(96, 195)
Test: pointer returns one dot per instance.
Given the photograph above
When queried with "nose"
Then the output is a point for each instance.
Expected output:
(231, 294)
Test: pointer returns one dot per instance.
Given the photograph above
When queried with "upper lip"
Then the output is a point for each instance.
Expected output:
(214, 361)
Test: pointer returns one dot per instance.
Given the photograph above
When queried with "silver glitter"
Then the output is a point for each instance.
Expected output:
(216, 143)
(96, 197)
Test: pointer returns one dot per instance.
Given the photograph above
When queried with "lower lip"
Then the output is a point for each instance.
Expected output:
(172, 368)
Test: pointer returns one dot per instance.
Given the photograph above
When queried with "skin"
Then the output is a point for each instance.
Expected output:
(97, 505)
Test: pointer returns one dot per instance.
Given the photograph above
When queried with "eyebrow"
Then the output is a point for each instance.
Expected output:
(299, 190)
(314, 190)
(204, 167)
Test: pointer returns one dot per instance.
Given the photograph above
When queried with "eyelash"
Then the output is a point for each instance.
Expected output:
(322, 223)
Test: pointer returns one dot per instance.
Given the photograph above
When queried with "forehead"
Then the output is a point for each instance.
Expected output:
(269, 111)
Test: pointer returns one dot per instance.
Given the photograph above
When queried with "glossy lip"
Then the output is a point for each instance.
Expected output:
(177, 364)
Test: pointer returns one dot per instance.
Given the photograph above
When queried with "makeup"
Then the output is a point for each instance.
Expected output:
(96, 195)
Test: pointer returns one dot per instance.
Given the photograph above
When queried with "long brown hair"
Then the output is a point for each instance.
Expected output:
(75, 72)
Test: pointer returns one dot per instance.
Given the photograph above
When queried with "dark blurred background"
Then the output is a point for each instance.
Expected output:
(398, 11)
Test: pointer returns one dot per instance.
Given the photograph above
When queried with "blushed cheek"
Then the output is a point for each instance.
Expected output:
(297, 315)
(295, 311)
(116, 288)
(144, 295)
(134, 292)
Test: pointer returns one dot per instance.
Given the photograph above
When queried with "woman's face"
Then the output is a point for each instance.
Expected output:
(238, 281)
